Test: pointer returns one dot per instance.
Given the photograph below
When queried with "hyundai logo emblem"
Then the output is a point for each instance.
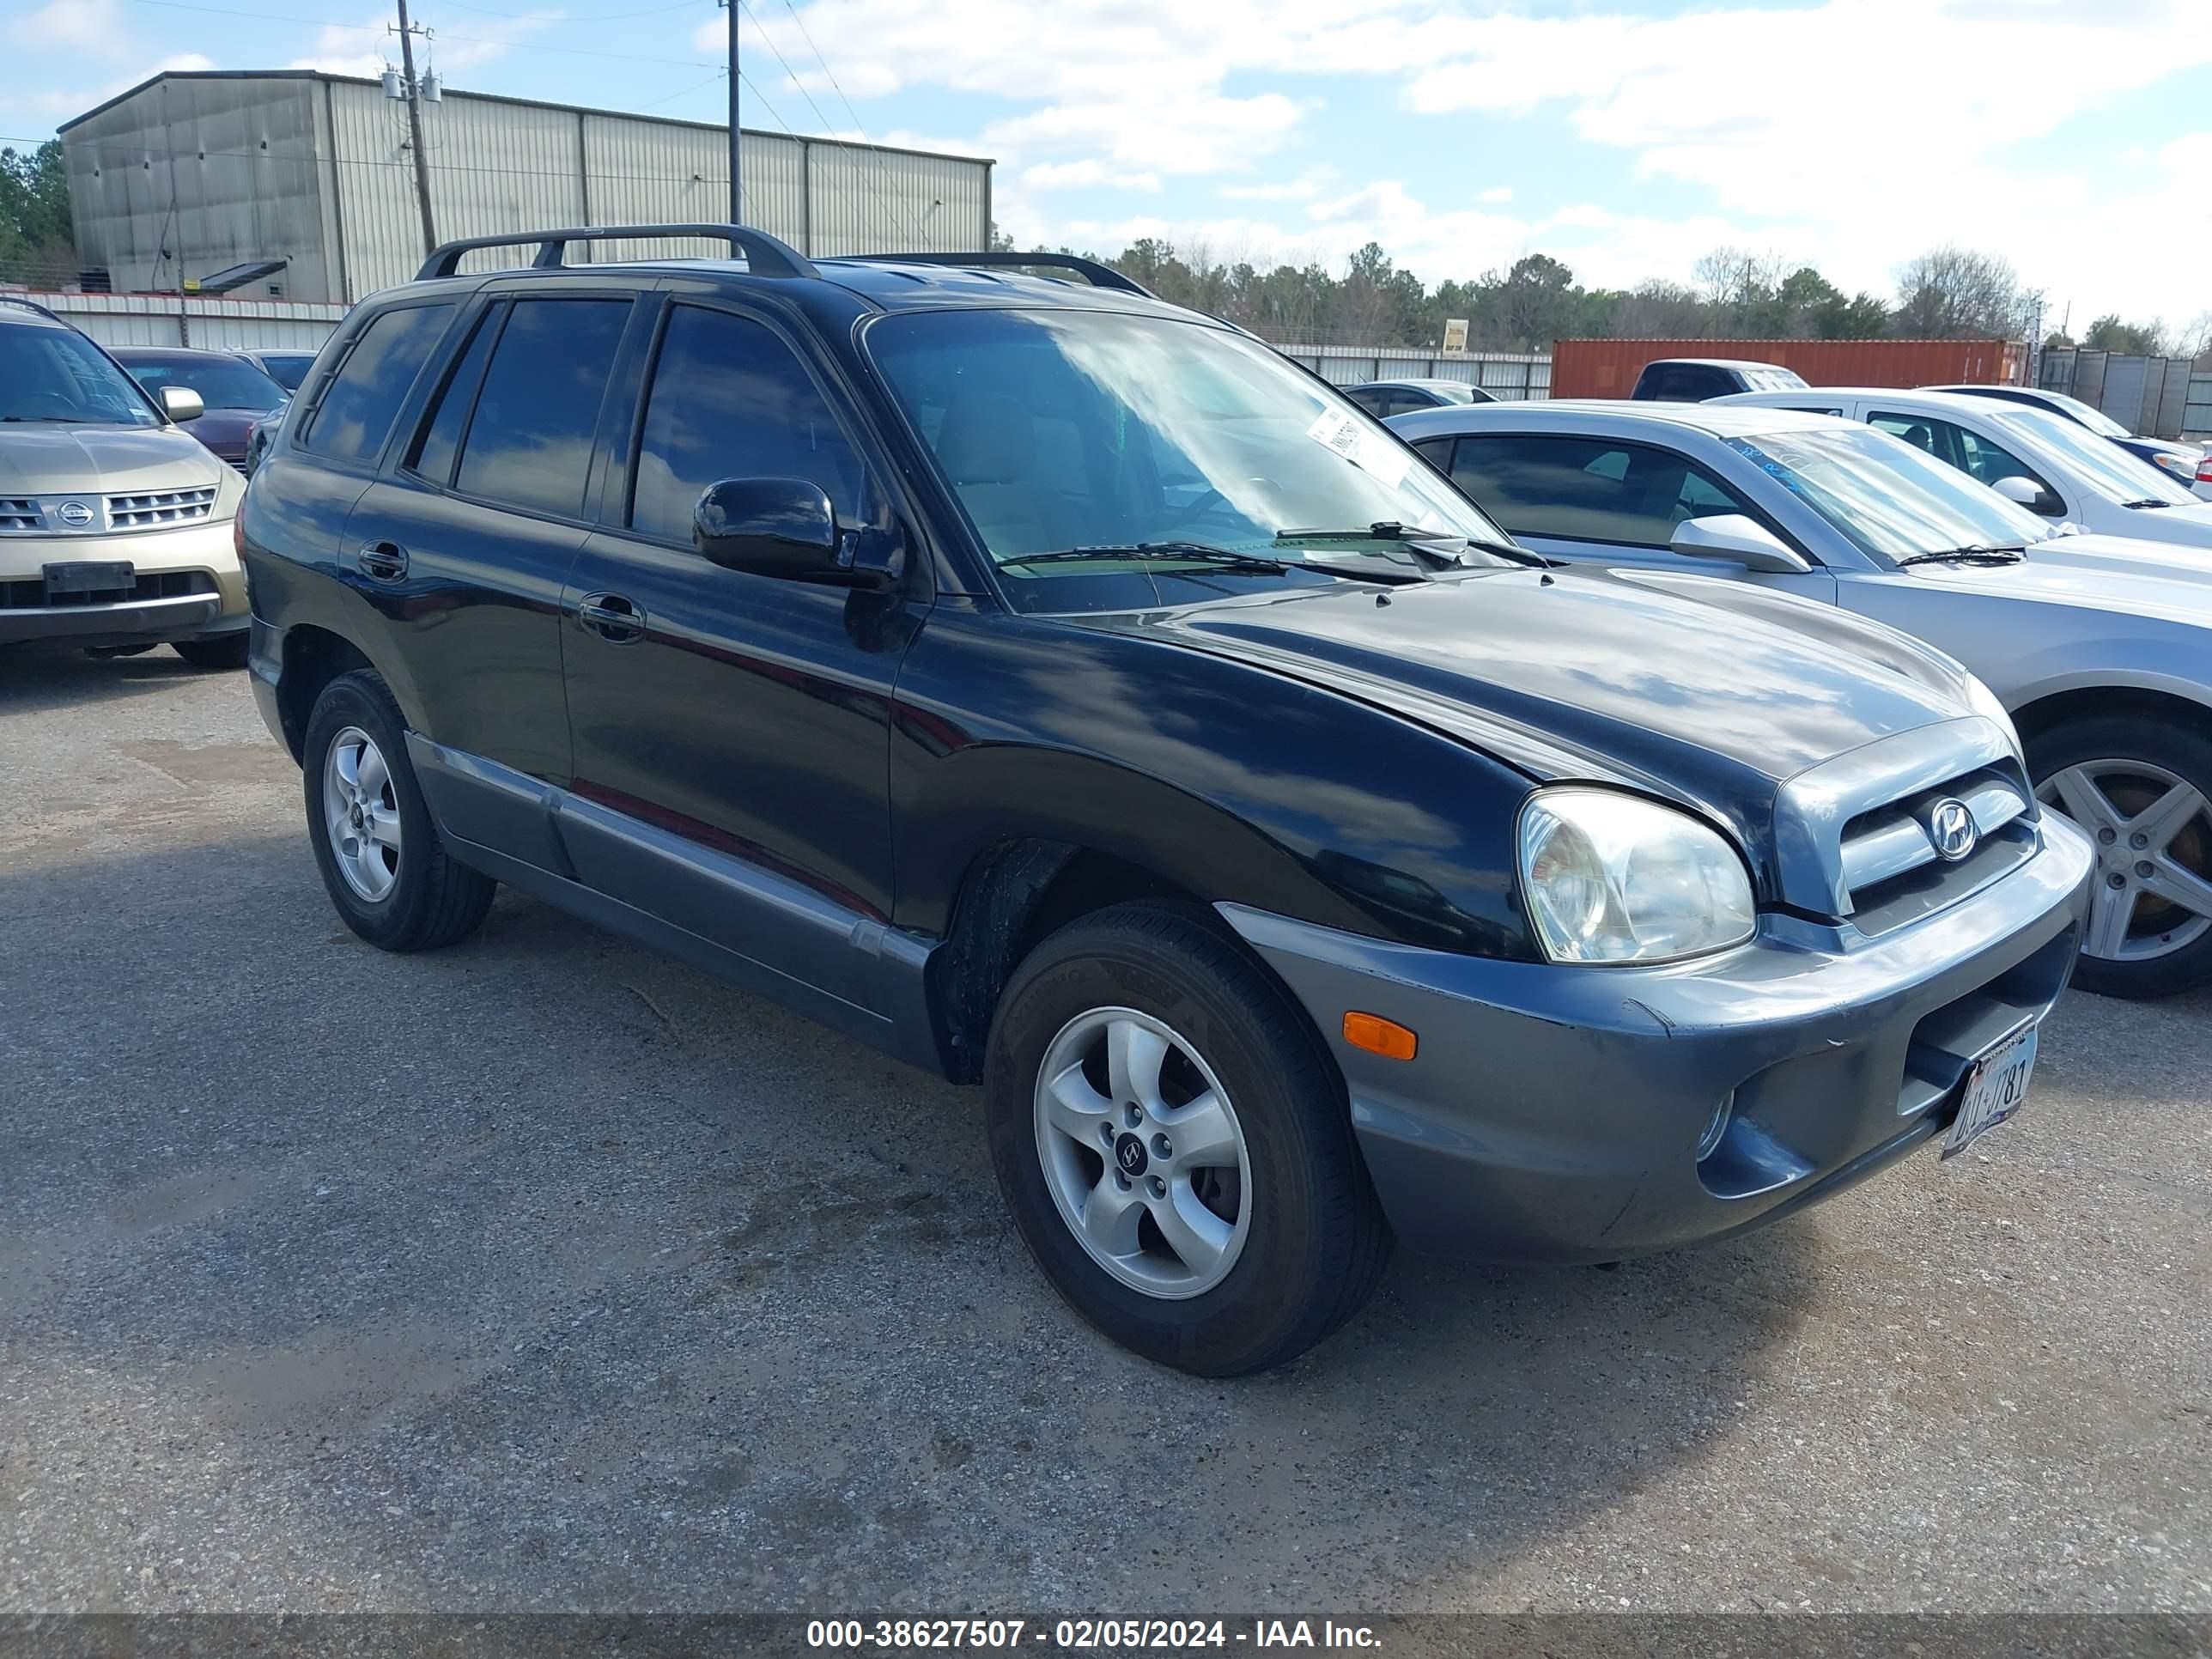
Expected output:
(1951, 826)
(75, 515)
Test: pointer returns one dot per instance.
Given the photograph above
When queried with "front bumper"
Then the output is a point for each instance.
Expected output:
(202, 549)
(1554, 1114)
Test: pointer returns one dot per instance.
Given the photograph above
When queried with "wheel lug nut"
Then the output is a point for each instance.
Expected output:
(1106, 1133)
(2116, 880)
(1134, 1116)
(2107, 836)
(2139, 839)
(1121, 1181)
(1159, 1188)
(2144, 871)
(1160, 1147)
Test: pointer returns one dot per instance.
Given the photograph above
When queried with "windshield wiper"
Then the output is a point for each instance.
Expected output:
(56, 420)
(1966, 555)
(1410, 537)
(2147, 501)
(1169, 552)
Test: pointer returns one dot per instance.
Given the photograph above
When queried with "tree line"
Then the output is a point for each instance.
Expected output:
(37, 244)
(1947, 293)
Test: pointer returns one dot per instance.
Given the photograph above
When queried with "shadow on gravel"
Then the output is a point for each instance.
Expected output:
(37, 679)
(545, 1272)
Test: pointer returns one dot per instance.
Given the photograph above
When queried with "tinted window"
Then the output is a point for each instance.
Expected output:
(442, 439)
(57, 374)
(222, 382)
(1955, 445)
(1588, 488)
(1372, 399)
(288, 368)
(357, 408)
(1685, 383)
(530, 439)
(729, 400)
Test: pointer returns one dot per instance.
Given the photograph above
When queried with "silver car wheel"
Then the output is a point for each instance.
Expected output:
(2152, 831)
(360, 810)
(1143, 1153)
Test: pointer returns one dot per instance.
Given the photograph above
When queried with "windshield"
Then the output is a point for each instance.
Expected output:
(222, 382)
(1891, 499)
(2089, 416)
(1065, 429)
(1774, 380)
(2103, 465)
(57, 374)
(288, 368)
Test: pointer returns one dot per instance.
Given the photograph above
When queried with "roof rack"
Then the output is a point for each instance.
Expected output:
(765, 255)
(1100, 275)
(30, 304)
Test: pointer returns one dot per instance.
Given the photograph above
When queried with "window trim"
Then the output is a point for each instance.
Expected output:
(300, 434)
(585, 516)
(620, 487)
(1874, 414)
(1756, 512)
(493, 315)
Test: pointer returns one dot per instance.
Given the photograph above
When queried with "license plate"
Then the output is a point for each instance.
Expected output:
(89, 576)
(1995, 1088)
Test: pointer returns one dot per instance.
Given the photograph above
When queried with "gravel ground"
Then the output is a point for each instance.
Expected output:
(544, 1272)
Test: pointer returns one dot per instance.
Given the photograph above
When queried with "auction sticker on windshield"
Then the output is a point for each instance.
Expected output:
(1995, 1088)
(1371, 451)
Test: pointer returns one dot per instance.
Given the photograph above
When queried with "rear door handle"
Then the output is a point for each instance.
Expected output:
(611, 617)
(382, 562)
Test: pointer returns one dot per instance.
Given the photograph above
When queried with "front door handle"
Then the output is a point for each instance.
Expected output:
(611, 617)
(382, 562)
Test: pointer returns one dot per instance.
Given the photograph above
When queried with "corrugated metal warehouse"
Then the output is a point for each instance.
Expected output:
(193, 173)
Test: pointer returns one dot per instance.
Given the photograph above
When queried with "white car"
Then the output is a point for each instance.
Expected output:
(2048, 463)
(2098, 649)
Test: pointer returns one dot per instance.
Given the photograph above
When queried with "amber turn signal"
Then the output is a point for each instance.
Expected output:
(1381, 1036)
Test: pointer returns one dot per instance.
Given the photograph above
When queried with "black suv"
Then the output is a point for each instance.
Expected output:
(1069, 695)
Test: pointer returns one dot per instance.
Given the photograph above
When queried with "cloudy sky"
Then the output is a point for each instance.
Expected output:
(1625, 137)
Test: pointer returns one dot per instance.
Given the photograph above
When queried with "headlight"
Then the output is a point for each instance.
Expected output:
(1983, 702)
(2180, 465)
(1613, 878)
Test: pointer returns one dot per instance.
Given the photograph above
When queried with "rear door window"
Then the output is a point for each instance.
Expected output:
(362, 399)
(530, 436)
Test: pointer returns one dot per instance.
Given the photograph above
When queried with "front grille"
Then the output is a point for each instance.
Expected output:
(1892, 871)
(31, 595)
(17, 513)
(159, 507)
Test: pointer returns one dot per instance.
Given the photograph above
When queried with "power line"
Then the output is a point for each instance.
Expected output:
(717, 75)
(471, 40)
(569, 17)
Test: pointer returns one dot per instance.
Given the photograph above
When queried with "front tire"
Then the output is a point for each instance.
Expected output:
(2142, 790)
(1174, 1144)
(385, 868)
(227, 651)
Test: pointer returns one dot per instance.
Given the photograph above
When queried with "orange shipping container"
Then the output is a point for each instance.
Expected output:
(1608, 368)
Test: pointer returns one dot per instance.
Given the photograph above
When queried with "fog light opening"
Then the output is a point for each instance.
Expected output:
(1708, 1142)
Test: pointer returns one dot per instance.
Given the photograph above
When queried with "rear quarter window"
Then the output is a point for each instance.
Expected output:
(357, 408)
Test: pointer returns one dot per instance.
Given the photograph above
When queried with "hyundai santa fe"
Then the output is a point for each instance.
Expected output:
(1065, 693)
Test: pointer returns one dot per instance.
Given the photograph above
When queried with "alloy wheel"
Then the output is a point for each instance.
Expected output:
(2153, 831)
(360, 810)
(1142, 1152)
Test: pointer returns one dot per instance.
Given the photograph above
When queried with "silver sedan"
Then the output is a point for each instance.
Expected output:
(2100, 648)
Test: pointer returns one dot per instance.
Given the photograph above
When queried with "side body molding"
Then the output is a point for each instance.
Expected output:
(735, 919)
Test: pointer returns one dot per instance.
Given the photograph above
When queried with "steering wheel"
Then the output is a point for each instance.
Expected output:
(1197, 509)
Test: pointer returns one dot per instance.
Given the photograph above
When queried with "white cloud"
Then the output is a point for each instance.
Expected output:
(92, 25)
(1497, 193)
(61, 103)
(1307, 185)
(1089, 173)
(366, 48)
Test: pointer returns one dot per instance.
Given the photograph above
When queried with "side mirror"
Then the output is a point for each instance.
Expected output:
(1738, 540)
(181, 403)
(783, 527)
(2030, 495)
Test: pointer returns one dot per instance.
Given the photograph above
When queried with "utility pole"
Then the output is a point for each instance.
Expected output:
(413, 92)
(736, 184)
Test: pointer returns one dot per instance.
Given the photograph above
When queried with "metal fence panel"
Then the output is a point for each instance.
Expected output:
(2196, 412)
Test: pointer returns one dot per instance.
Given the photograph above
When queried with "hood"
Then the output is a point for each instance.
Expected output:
(223, 430)
(39, 459)
(2105, 574)
(2191, 526)
(1584, 673)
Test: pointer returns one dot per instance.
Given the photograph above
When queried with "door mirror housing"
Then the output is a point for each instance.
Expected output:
(1738, 540)
(2030, 495)
(181, 403)
(787, 527)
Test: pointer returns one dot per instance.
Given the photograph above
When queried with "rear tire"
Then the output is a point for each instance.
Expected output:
(1290, 1241)
(386, 870)
(2122, 779)
(226, 652)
